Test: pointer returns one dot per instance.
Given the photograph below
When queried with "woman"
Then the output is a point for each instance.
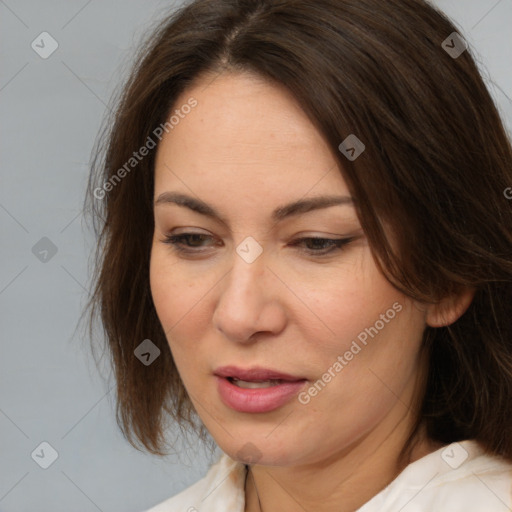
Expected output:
(305, 251)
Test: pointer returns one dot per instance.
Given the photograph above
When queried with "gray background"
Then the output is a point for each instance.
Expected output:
(50, 111)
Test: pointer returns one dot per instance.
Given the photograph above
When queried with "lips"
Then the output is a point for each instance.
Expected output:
(255, 374)
(258, 398)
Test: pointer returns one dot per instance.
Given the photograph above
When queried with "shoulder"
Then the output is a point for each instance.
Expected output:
(460, 477)
(481, 482)
(222, 488)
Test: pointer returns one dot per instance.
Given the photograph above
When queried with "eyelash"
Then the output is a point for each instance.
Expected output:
(335, 244)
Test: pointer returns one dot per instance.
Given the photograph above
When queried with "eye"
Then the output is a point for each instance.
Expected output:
(176, 241)
(317, 246)
(322, 246)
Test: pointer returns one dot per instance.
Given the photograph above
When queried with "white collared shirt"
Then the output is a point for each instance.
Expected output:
(459, 477)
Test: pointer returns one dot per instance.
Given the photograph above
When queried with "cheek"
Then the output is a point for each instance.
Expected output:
(180, 299)
(366, 348)
(169, 291)
(174, 292)
(161, 283)
(344, 302)
(373, 362)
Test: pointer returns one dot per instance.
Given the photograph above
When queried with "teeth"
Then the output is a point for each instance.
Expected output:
(254, 385)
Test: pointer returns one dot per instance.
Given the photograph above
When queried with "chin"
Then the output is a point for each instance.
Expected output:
(255, 453)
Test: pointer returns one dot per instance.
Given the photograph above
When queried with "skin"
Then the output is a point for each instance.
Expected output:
(247, 148)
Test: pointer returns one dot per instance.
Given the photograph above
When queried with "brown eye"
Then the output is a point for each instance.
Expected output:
(316, 246)
(182, 241)
(322, 246)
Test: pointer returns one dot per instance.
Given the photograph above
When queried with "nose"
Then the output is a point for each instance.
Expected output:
(249, 301)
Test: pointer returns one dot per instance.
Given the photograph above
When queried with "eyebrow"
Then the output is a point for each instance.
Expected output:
(279, 214)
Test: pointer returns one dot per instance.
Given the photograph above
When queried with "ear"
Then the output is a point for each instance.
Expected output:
(450, 308)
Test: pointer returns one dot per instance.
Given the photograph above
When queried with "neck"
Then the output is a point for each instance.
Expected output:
(359, 477)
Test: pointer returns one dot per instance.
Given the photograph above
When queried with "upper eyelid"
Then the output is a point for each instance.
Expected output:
(353, 231)
(300, 238)
(296, 237)
(334, 245)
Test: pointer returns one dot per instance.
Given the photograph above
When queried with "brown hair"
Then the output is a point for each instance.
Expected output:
(435, 167)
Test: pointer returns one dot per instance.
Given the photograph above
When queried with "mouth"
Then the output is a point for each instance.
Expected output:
(255, 375)
(247, 384)
(256, 390)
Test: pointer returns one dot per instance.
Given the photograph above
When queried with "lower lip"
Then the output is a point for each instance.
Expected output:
(257, 400)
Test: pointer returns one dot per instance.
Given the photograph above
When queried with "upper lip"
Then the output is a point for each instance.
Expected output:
(254, 374)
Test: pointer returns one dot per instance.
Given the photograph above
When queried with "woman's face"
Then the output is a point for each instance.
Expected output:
(246, 292)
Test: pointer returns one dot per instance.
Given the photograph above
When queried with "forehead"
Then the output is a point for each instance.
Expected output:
(246, 141)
